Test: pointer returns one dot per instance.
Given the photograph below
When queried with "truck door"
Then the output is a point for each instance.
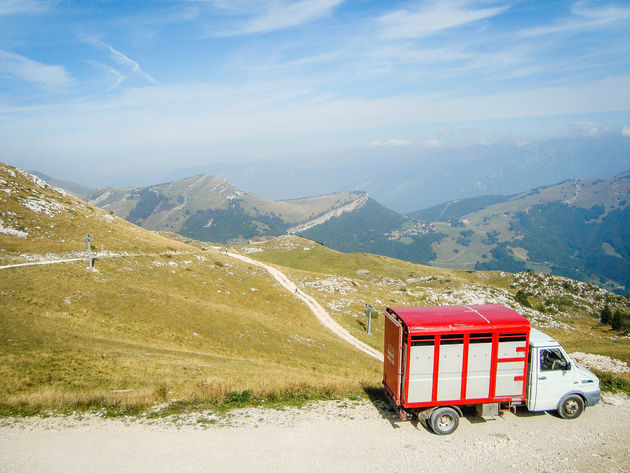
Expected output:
(392, 366)
(550, 378)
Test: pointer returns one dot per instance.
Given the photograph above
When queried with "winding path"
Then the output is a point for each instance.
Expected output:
(322, 315)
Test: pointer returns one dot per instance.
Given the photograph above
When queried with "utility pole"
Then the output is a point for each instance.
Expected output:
(88, 239)
(368, 312)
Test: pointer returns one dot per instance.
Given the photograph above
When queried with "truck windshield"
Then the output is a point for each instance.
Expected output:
(552, 359)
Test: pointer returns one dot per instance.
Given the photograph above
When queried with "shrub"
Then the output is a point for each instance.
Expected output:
(620, 321)
(521, 298)
(609, 382)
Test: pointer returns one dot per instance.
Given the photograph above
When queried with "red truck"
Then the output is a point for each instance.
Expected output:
(438, 359)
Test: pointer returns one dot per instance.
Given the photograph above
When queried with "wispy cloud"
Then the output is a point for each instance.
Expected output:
(122, 59)
(21, 7)
(265, 17)
(118, 77)
(34, 72)
(583, 18)
(426, 20)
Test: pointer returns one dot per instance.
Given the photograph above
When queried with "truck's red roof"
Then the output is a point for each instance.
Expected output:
(458, 318)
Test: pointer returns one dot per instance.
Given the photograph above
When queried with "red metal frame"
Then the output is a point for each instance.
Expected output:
(462, 396)
(467, 320)
(493, 365)
(436, 367)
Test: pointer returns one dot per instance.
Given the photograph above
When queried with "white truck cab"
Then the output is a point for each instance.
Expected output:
(556, 382)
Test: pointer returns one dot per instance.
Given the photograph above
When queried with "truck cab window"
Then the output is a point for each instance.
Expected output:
(552, 359)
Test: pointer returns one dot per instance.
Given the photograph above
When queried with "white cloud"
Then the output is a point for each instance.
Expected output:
(34, 72)
(426, 20)
(392, 142)
(582, 19)
(586, 128)
(625, 130)
(277, 15)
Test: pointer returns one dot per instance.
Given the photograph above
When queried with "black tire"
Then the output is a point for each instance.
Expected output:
(571, 407)
(444, 420)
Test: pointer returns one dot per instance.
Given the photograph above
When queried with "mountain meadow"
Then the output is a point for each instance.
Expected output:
(165, 322)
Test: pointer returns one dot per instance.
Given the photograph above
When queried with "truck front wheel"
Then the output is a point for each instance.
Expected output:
(444, 420)
(571, 407)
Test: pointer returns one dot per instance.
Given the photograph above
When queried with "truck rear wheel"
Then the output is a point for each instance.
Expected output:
(571, 407)
(444, 420)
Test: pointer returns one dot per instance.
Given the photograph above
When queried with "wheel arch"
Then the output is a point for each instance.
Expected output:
(572, 393)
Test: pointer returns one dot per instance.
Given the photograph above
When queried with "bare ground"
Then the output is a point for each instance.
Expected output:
(348, 436)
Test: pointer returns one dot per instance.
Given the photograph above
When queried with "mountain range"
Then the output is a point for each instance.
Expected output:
(577, 228)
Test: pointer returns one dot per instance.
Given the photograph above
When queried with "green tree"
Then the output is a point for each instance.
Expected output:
(617, 320)
(605, 316)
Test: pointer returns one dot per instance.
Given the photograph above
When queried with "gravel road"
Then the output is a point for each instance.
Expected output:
(339, 436)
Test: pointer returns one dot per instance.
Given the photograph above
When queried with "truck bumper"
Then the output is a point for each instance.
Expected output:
(592, 398)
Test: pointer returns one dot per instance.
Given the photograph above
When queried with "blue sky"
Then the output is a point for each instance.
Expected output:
(91, 90)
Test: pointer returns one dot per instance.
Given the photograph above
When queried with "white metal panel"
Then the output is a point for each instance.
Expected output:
(420, 373)
(508, 349)
(506, 372)
(450, 372)
(479, 362)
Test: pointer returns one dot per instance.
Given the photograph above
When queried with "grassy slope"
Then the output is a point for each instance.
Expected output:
(559, 305)
(73, 337)
(166, 321)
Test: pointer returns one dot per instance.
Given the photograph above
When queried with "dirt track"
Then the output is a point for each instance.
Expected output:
(322, 315)
(325, 437)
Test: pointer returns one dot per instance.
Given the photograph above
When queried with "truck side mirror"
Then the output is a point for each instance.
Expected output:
(567, 366)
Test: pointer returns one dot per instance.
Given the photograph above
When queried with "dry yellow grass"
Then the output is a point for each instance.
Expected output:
(147, 328)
